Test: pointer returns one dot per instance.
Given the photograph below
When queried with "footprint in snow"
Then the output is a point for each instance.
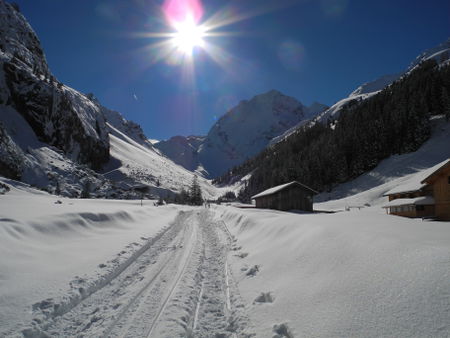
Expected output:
(282, 331)
(253, 271)
(264, 297)
(242, 254)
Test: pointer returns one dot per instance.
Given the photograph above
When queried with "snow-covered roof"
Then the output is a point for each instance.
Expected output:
(416, 182)
(422, 200)
(442, 165)
(281, 187)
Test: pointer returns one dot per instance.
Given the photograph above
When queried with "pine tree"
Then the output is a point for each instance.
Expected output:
(58, 188)
(86, 192)
(195, 192)
(445, 98)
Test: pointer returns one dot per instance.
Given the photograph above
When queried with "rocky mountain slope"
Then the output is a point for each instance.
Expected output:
(58, 139)
(241, 133)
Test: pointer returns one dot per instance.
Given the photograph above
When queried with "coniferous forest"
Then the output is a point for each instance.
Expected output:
(321, 155)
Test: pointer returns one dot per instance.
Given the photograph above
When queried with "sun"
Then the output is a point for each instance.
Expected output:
(188, 35)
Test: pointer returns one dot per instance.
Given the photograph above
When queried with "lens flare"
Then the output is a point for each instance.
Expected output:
(177, 11)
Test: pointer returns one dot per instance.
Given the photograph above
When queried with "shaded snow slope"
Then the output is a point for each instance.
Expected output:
(391, 173)
(182, 150)
(44, 248)
(40, 164)
(349, 274)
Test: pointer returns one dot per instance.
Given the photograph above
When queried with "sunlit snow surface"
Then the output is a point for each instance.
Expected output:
(44, 245)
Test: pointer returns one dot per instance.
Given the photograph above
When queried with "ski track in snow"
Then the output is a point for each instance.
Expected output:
(180, 285)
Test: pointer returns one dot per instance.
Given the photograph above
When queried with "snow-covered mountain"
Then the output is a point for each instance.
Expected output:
(182, 150)
(56, 138)
(240, 134)
(439, 53)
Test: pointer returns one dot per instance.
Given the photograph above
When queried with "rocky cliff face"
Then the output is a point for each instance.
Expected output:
(58, 115)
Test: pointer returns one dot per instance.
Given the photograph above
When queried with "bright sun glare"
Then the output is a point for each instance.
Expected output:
(188, 35)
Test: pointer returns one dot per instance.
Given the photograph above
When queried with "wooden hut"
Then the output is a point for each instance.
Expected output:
(289, 196)
(426, 194)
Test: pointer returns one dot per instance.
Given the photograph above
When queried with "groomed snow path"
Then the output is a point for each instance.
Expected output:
(179, 285)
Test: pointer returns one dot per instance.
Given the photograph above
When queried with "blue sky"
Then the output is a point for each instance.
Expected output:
(316, 50)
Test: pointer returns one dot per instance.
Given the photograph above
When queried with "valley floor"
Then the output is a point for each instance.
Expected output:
(96, 268)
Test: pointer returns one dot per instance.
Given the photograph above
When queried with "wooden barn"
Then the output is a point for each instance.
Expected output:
(424, 195)
(289, 196)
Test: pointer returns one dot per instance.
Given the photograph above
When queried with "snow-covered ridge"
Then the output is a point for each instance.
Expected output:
(376, 85)
(439, 53)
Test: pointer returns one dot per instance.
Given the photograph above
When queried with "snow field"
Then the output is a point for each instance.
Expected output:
(359, 273)
(113, 268)
(62, 252)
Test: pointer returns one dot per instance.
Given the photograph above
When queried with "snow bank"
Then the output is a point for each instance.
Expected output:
(49, 245)
(349, 274)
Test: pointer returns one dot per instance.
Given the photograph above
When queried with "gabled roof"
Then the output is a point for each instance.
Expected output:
(417, 182)
(423, 200)
(278, 188)
(443, 166)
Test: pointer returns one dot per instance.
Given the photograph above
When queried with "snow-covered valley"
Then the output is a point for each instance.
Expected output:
(116, 268)
(95, 267)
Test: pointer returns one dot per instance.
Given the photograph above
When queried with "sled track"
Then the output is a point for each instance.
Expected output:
(164, 266)
(180, 285)
(98, 304)
(180, 273)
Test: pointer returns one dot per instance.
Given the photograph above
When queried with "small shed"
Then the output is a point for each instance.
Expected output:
(289, 196)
